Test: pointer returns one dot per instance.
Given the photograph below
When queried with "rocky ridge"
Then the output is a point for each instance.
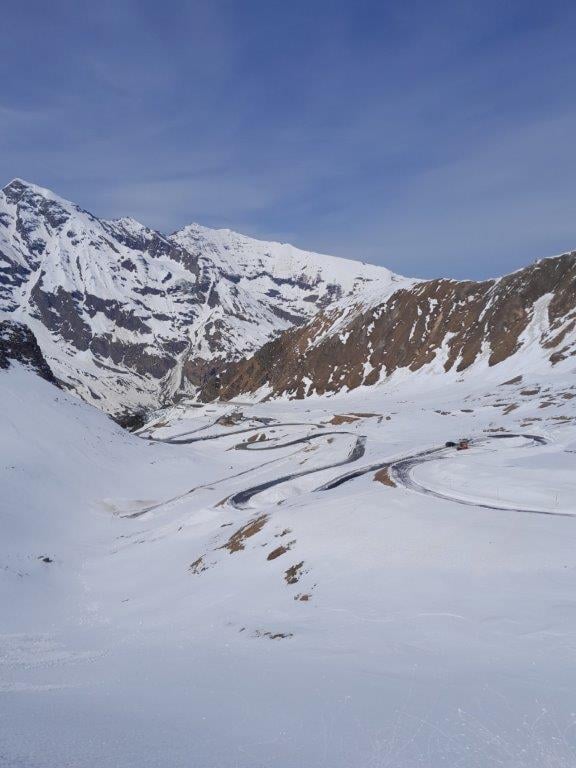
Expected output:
(526, 319)
(18, 345)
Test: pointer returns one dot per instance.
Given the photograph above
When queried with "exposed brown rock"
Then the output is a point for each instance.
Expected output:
(456, 319)
(256, 437)
(292, 575)
(383, 476)
(230, 419)
(236, 542)
(279, 551)
(340, 418)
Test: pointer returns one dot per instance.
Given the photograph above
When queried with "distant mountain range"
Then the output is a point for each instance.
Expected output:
(129, 318)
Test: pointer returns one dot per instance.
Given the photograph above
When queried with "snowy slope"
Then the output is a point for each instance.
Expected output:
(127, 316)
(207, 604)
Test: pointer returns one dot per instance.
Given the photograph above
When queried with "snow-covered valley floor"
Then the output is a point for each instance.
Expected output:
(309, 584)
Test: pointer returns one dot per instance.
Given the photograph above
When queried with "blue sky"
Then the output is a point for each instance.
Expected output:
(436, 138)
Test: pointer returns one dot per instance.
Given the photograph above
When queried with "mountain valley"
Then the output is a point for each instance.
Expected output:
(340, 531)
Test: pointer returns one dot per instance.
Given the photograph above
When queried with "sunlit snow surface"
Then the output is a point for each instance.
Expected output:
(165, 632)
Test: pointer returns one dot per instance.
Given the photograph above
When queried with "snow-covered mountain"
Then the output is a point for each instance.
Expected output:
(523, 322)
(127, 317)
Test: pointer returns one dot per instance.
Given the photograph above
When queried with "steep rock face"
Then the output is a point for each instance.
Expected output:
(528, 317)
(255, 289)
(86, 288)
(18, 344)
(128, 317)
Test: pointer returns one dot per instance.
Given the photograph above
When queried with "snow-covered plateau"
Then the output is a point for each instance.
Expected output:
(318, 583)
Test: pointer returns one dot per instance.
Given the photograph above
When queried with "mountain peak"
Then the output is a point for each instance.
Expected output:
(36, 198)
(21, 185)
(129, 224)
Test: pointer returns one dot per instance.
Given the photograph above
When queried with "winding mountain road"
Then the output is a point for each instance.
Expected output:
(401, 473)
(241, 498)
(174, 440)
(400, 469)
